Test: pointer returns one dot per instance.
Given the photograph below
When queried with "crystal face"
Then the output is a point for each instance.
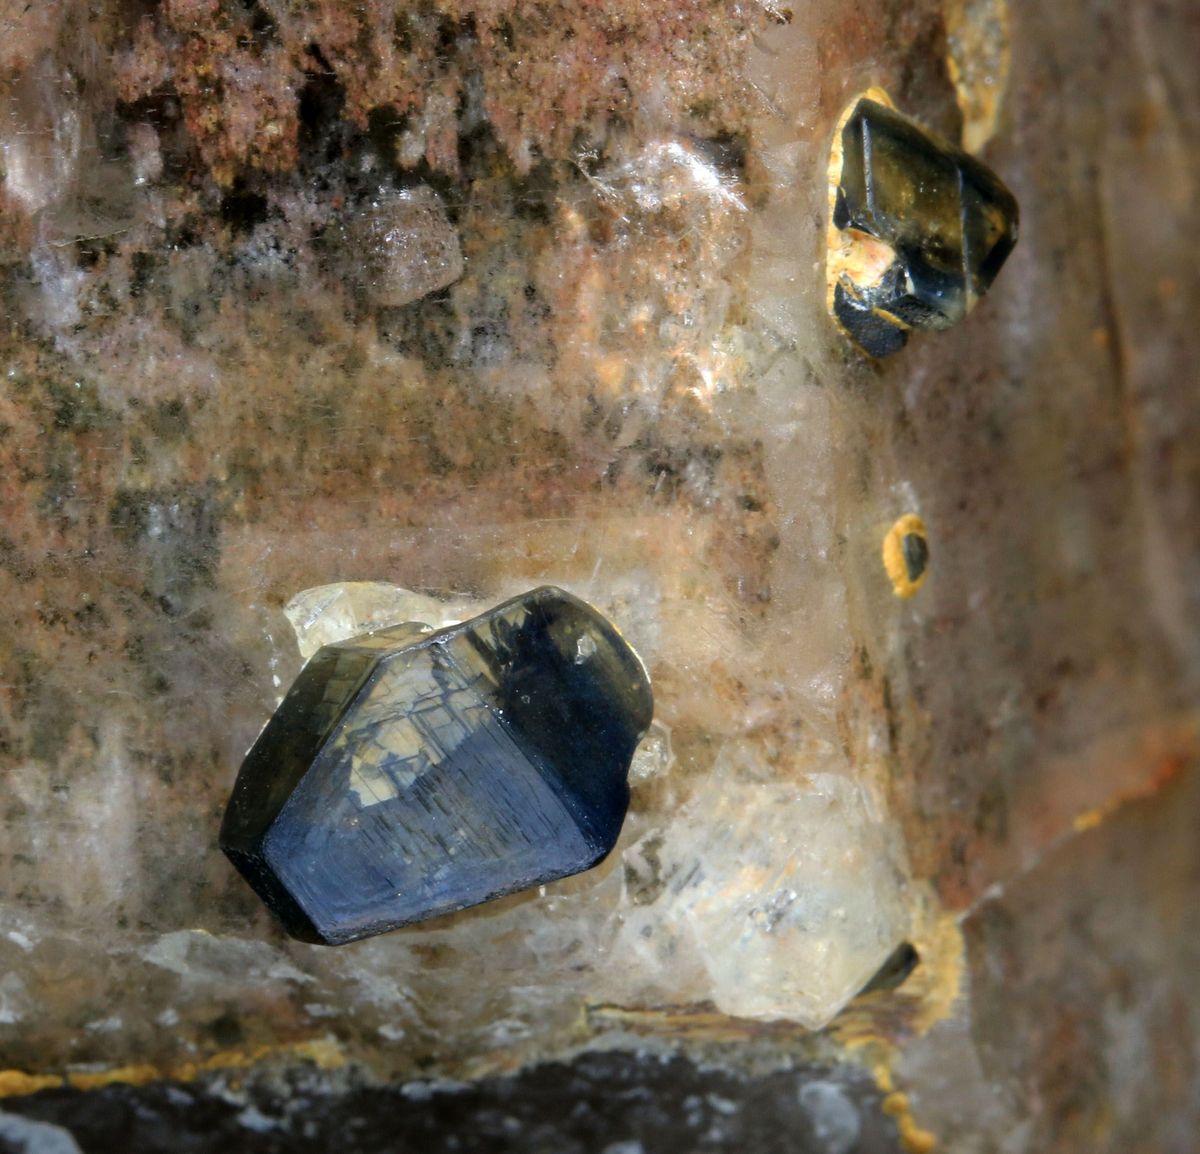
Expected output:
(919, 229)
(785, 895)
(408, 774)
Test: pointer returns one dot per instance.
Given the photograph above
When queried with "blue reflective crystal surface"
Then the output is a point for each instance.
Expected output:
(402, 778)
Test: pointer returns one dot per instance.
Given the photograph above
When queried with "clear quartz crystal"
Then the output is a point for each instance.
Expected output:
(786, 893)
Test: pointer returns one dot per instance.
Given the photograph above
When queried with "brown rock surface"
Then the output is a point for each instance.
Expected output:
(632, 390)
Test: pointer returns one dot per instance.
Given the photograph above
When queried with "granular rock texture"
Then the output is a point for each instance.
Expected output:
(599, 357)
(621, 1104)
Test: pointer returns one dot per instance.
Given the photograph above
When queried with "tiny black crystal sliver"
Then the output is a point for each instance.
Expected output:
(409, 775)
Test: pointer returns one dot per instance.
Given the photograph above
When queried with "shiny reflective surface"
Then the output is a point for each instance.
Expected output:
(924, 226)
(401, 779)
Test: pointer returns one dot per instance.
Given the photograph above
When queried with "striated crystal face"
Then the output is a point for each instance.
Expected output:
(408, 774)
(921, 228)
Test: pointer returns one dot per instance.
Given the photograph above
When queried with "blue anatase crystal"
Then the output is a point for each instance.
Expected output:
(408, 775)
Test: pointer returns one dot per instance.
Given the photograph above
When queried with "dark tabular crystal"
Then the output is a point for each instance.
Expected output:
(947, 220)
(405, 778)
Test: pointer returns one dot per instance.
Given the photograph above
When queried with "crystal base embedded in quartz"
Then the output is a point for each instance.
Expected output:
(919, 228)
(406, 776)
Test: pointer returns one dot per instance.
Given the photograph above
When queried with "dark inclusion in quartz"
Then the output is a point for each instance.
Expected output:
(408, 774)
(922, 229)
(915, 550)
(906, 554)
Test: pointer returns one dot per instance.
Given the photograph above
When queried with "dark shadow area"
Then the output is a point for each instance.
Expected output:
(604, 1103)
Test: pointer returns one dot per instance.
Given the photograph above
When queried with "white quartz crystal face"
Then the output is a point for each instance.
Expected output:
(785, 893)
(654, 756)
(330, 613)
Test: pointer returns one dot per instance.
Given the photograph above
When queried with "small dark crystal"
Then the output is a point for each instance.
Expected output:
(895, 970)
(941, 224)
(916, 555)
(906, 554)
(406, 776)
